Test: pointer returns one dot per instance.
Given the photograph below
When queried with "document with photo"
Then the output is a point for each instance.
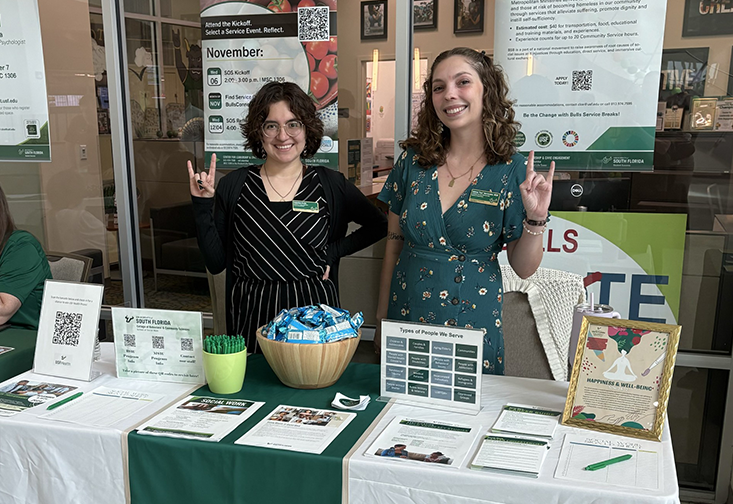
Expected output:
(18, 395)
(295, 428)
(198, 417)
(424, 441)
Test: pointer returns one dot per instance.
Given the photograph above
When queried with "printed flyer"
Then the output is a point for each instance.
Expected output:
(424, 441)
(23, 100)
(585, 78)
(18, 395)
(246, 45)
(619, 381)
(158, 345)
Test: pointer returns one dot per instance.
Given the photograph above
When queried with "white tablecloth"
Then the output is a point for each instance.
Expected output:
(50, 462)
(401, 482)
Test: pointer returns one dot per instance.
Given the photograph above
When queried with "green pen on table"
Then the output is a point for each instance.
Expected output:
(64, 401)
(601, 465)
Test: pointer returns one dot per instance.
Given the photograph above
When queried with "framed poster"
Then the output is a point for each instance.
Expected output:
(374, 20)
(621, 377)
(683, 74)
(703, 18)
(425, 14)
(468, 16)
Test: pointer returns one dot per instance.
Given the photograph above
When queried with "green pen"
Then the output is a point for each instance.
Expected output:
(64, 401)
(601, 465)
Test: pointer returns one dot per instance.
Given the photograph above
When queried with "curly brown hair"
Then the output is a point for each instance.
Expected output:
(300, 105)
(431, 140)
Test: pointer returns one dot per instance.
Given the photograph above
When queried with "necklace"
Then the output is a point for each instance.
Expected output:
(282, 196)
(453, 177)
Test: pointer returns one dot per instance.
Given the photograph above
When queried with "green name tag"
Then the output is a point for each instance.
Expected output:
(484, 197)
(305, 206)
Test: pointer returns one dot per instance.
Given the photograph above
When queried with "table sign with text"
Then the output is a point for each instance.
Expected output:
(158, 345)
(67, 329)
(433, 365)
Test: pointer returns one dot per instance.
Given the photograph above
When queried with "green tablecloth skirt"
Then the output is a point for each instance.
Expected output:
(21, 359)
(180, 471)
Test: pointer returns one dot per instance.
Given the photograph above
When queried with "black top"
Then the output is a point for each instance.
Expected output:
(346, 203)
(280, 254)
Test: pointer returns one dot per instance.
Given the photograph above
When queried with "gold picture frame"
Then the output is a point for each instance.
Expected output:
(614, 395)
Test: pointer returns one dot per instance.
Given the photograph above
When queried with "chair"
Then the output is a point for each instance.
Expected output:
(69, 267)
(538, 320)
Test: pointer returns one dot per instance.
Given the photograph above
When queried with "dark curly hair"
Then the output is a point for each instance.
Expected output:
(300, 105)
(430, 139)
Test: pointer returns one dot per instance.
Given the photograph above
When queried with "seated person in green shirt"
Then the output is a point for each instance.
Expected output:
(23, 271)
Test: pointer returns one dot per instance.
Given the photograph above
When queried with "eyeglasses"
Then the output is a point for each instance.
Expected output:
(272, 129)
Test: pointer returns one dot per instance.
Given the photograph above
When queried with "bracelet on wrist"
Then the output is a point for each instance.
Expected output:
(533, 233)
(532, 222)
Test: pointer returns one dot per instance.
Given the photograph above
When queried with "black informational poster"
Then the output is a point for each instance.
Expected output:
(684, 72)
(707, 17)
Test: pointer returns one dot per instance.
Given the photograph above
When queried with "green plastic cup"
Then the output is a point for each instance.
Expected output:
(225, 372)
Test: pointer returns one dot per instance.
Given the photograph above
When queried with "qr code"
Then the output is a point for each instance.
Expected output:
(313, 24)
(187, 344)
(582, 80)
(129, 340)
(158, 343)
(66, 328)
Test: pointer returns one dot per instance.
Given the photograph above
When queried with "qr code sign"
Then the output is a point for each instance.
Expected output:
(313, 24)
(66, 328)
(158, 343)
(582, 80)
(187, 344)
(129, 340)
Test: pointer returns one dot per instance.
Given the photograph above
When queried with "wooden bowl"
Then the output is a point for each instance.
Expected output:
(308, 365)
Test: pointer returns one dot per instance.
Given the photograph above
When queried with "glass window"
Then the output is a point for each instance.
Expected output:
(185, 10)
(139, 6)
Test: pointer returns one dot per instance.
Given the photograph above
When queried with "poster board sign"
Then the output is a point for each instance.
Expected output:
(584, 80)
(246, 45)
(622, 377)
(158, 345)
(24, 132)
(436, 366)
(361, 161)
(67, 329)
(703, 18)
(634, 259)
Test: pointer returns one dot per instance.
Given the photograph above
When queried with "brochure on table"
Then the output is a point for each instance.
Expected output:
(642, 470)
(67, 330)
(158, 345)
(17, 395)
(200, 417)
(424, 441)
(295, 428)
(431, 365)
(103, 407)
(512, 454)
(524, 420)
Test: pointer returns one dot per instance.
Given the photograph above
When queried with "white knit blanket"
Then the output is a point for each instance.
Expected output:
(552, 296)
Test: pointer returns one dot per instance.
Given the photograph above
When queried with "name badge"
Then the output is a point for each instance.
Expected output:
(484, 197)
(305, 206)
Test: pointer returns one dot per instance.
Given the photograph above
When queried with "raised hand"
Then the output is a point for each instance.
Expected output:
(536, 190)
(202, 184)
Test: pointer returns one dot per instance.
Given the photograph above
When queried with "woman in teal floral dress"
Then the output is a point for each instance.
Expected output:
(457, 195)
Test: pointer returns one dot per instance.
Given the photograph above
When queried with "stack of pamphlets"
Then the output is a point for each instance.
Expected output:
(519, 440)
(347, 403)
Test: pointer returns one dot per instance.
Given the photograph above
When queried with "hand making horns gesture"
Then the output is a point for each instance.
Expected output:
(536, 190)
(202, 184)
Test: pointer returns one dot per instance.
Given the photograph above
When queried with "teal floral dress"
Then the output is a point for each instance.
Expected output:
(448, 272)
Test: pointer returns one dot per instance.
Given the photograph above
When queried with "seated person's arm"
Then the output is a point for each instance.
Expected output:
(9, 304)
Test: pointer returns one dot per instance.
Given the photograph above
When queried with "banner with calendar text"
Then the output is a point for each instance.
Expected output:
(585, 79)
(246, 44)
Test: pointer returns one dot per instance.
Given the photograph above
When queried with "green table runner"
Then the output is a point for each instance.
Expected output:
(167, 470)
(21, 359)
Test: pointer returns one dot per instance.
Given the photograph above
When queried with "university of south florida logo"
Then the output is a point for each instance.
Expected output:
(543, 138)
